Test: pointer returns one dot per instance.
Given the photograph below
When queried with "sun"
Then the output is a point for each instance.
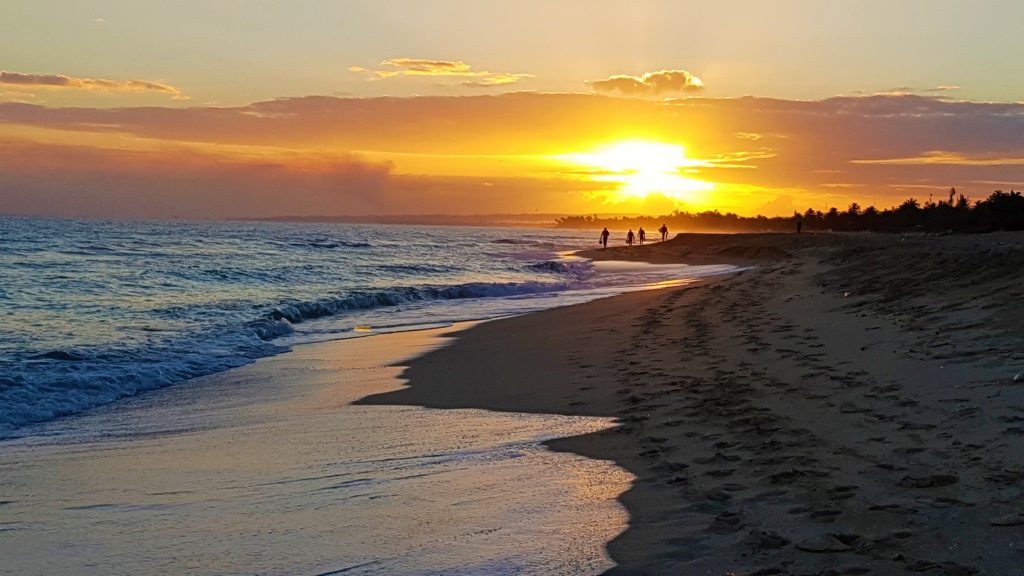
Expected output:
(642, 168)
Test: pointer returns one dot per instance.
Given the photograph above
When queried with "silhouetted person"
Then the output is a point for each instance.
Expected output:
(664, 232)
(641, 235)
(629, 238)
(799, 225)
(604, 238)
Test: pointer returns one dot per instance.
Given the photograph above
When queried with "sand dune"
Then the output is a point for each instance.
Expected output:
(852, 404)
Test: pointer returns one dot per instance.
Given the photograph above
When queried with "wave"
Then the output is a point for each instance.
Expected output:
(68, 355)
(330, 244)
(269, 327)
(60, 382)
(517, 241)
(181, 305)
(569, 267)
(539, 245)
(413, 269)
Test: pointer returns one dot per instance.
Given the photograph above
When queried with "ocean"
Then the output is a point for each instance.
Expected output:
(151, 423)
(271, 469)
(98, 310)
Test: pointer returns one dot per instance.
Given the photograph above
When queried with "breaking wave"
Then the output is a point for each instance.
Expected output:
(104, 310)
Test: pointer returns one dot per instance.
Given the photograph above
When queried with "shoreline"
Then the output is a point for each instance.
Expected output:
(847, 405)
(71, 360)
(271, 468)
(795, 417)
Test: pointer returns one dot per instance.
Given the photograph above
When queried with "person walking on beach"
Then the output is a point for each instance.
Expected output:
(629, 238)
(799, 225)
(664, 232)
(641, 235)
(604, 237)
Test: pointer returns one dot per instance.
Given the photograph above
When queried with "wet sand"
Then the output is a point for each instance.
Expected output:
(846, 406)
(269, 469)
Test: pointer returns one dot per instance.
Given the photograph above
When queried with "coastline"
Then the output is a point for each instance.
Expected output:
(270, 468)
(846, 405)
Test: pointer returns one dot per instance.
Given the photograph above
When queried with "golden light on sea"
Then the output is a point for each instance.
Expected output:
(641, 168)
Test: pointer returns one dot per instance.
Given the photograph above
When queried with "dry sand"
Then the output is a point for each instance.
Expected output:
(846, 406)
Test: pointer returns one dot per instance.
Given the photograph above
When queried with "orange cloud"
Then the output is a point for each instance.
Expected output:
(492, 80)
(941, 157)
(419, 66)
(422, 67)
(63, 180)
(875, 146)
(650, 84)
(59, 82)
(42, 179)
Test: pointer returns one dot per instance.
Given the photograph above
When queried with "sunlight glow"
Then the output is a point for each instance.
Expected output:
(641, 168)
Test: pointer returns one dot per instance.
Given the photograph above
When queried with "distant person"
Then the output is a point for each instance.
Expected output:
(629, 238)
(641, 235)
(799, 225)
(604, 238)
(664, 232)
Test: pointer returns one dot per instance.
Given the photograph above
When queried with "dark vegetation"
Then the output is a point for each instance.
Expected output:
(1000, 211)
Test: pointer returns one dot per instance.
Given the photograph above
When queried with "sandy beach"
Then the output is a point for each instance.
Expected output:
(850, 404)
(843, 404)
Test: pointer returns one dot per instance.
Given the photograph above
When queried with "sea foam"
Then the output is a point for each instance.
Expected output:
(102, 310)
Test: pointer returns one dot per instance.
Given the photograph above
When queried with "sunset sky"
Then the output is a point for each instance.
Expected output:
(234, 108)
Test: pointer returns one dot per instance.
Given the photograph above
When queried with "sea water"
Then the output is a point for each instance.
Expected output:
(269, 468)
(98, 310)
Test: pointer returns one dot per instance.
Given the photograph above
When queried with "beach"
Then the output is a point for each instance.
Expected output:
(849, 404)
(836, 404)
(188, 405)
(270, 469)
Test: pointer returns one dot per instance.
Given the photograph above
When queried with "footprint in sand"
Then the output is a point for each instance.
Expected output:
(762, 540)
(929, 481)
(1015, 519)
(726, 523)
(718, 495)
(893, 509)
(826, 515)
(719, 457)
(842, 492)
(822, 544)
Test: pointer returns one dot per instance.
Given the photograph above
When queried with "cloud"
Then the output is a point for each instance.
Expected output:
(63, 180)
(394, 67)
(59, 81)
(947, 158)
(874, 145)
(418, 66)
(81, 181)
(906, 91)
(650, 84)
(897, 91)
(910, 91)
(493, 80)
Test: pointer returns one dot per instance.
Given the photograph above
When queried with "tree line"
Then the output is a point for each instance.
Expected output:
(1000, 211)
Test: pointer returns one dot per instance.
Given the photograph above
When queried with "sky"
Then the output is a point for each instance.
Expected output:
(235, 108)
